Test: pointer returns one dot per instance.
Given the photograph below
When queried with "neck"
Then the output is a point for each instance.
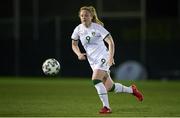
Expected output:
(87, 24)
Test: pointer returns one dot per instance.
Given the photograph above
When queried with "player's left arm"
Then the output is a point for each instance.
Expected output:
(111, 47)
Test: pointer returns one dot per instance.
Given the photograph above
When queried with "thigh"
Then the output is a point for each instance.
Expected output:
(98, 74)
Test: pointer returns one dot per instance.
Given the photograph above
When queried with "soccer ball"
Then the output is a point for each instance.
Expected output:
(51, 67)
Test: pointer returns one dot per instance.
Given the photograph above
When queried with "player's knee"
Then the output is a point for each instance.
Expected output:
(111, 89)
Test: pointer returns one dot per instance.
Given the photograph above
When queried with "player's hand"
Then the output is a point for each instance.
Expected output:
(111, 61)
(82, 56)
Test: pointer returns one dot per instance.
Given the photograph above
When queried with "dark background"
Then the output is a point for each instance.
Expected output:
(146, 31)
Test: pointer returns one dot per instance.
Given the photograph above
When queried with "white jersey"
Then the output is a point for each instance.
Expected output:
(93, 43)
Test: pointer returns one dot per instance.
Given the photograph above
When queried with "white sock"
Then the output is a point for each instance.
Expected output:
(102, 92)
(119, 88)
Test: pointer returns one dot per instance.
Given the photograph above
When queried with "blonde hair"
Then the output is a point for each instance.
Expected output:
(93, 12)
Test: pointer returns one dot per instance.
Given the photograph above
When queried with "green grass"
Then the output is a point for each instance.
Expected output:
(64, 97)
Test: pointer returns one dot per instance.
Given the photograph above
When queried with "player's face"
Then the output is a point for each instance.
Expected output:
(85, 17)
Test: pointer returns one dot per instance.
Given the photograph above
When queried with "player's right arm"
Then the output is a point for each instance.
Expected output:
(76, 50)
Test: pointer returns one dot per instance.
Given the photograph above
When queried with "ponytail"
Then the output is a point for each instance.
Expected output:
(95, 17)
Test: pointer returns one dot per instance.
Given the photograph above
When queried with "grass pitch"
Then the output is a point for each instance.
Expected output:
(65, 97)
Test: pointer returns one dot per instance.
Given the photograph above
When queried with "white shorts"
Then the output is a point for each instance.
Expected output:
(101, 63)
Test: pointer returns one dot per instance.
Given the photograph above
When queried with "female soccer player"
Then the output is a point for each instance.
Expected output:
(92, 35)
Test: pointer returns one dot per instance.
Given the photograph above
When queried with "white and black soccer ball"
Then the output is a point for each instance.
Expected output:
(51, 67)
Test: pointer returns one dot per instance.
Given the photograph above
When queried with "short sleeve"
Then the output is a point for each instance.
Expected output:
(75, 35)
(103, 31)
